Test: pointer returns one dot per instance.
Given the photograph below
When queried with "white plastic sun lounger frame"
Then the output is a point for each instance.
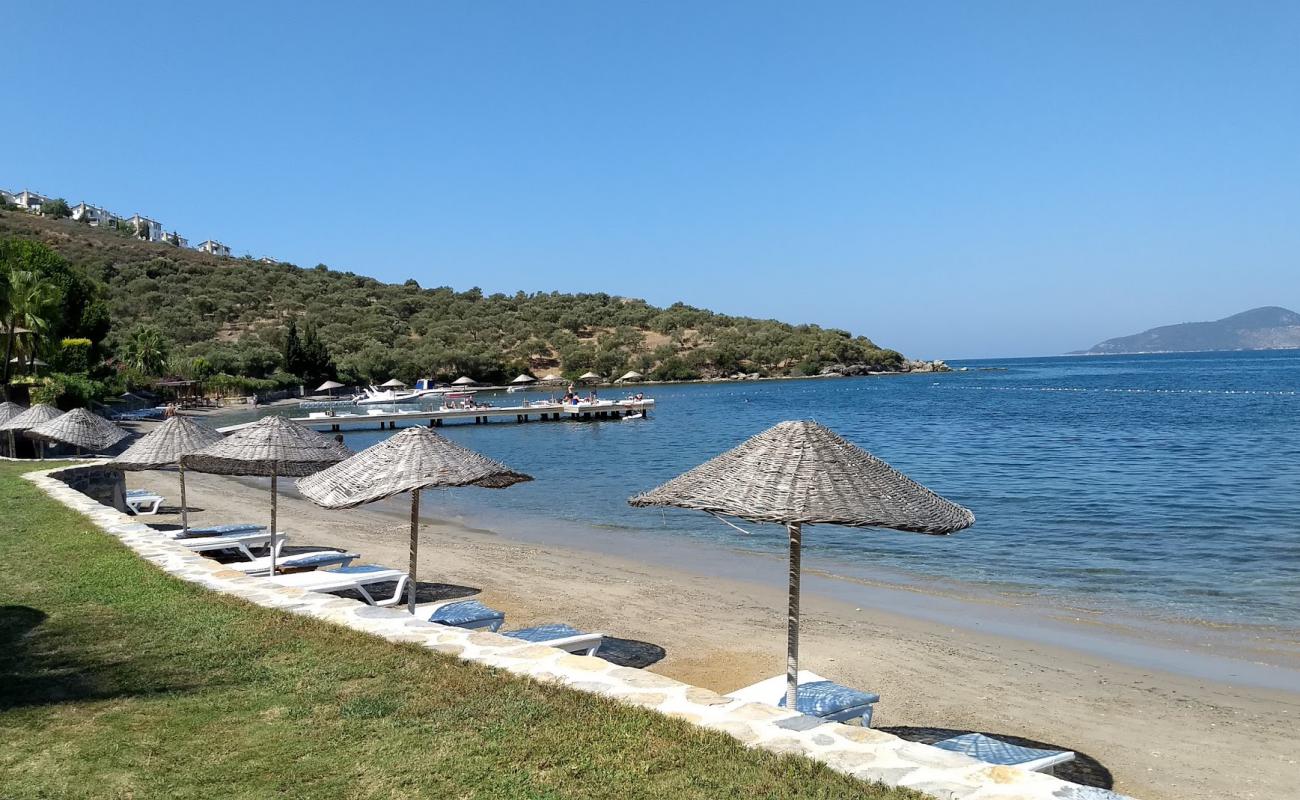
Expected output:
(261, 566)
(586, 644)
(329, 580)
(137, 504)
(771, 691)
(243, 542)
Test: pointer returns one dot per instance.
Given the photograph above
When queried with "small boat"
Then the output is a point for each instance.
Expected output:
(637, 415)
(374, 396)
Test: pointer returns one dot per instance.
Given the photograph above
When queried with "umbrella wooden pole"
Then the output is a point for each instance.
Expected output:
(185, 514)
(273, 530)
(792, 622)
(415, 544)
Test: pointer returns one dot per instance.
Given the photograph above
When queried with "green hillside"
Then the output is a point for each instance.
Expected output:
(233, 315)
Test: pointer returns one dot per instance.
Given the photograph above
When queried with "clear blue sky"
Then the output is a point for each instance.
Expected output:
(951, 179)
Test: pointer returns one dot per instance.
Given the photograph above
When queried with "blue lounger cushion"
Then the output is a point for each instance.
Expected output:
(316, 559)
(361, 569)
(825, 698)
(141, 493)
(995, 751)
(544, 633)
(467, 612)
(219, 530)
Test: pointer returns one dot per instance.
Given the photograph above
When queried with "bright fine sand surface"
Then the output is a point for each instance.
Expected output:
(1202, 728)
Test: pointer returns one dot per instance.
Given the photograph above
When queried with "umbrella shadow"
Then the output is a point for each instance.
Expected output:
(630, 652)
(1083, 770)
(37, 667)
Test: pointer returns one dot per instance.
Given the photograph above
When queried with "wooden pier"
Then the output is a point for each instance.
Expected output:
(480, 416)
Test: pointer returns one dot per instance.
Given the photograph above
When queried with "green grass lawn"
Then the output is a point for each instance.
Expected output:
(118, 681)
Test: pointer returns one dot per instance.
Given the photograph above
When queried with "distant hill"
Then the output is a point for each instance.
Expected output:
(1267, 328)
(233, 313)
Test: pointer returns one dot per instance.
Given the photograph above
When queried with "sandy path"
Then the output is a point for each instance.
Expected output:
(1162, 736)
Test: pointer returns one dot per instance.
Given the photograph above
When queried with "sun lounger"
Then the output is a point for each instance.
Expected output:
(143, 502)
(359, 578)
(818, 697)
(245, 543)
(475, 615)
(298, 562)
(217, 530)
(996, 751)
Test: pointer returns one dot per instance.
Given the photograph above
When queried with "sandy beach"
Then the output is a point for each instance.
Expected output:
(1160, 735)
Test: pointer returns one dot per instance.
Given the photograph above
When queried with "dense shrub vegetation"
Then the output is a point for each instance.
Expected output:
(195, 315)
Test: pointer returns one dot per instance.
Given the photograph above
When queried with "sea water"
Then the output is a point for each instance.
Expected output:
(1166, 485)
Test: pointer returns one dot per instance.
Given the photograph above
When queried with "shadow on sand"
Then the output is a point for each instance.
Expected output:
(1084, 769)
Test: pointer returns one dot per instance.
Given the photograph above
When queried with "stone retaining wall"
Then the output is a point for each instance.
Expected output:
(864, 753)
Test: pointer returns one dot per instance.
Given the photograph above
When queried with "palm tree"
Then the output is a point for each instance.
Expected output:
(147, 351)
(28, 303)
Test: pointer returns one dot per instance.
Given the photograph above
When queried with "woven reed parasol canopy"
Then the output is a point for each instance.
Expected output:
(329, 386)
(273, 446)
(464, 380)
(524, 379)
(630, 375)
(553, 378)
(164, 446)
(81, 429)
(38, 414)
(801, 473)
(8, 411)
(392, 383)
(589, 376)
(415, 459)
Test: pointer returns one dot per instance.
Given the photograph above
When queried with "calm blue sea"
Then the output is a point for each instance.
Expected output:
(1162, 484)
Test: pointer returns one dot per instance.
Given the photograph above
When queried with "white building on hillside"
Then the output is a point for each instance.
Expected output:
(94, 215)
(6, 198)
(146, 228)
(30, 201)
(176, 239)
(215, 248)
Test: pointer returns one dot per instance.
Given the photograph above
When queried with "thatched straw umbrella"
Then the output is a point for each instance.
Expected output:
(415, 459)
(271, 447)
(38, 414)
(165, 446)
(81, 429)
(464, 380)
(523, 378)
(800, 473)
(8, 411)
(589, 376)
(392, 383)
(553, 378)
(329, 386)
(630, 375)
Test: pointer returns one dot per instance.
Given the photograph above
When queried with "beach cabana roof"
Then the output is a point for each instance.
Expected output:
(271, 446)
(631, 375)
(799, 473)
(802, 472)
(79, 428)
(328, 385)
(10, 410)
(589, 376)
(415, 459)
(524, 379)
(464, 380)
(38, 414)
(553, 378)
(165, 445)
(391, 384)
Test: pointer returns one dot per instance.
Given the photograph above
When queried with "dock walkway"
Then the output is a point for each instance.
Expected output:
(605, 409)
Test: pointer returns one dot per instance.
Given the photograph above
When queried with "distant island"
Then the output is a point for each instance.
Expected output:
(1266, 328)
